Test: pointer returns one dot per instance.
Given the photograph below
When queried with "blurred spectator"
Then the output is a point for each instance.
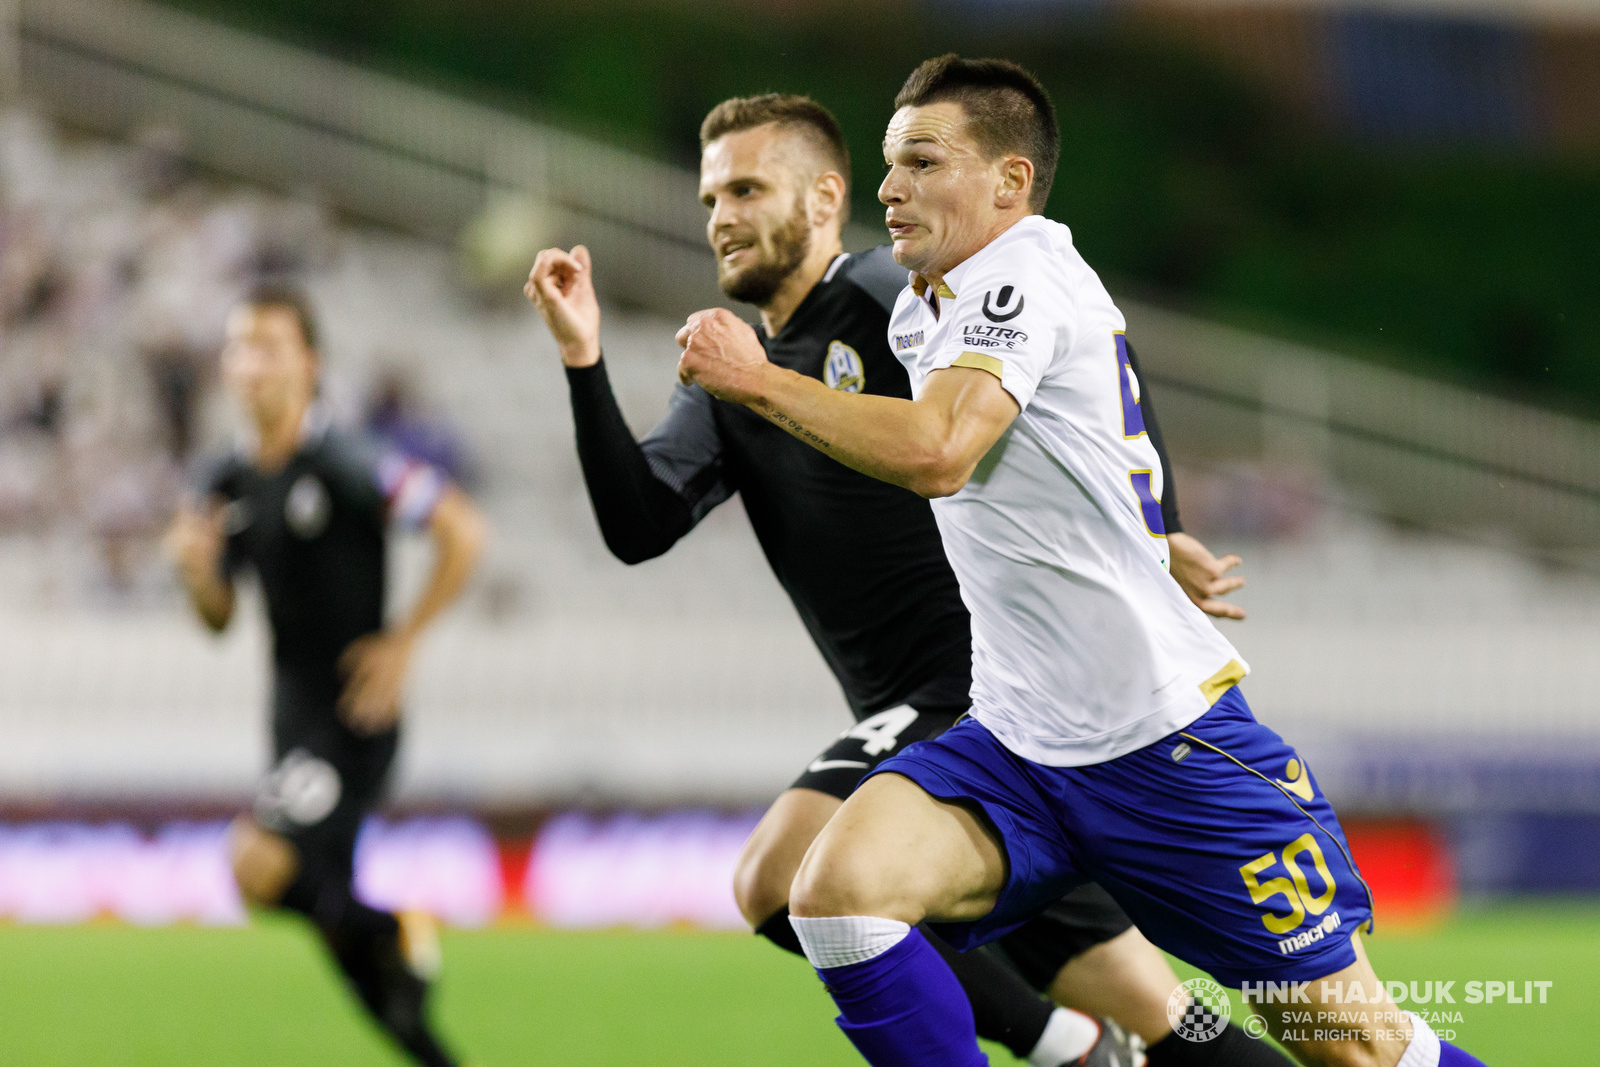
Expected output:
(1255, 503)
(178, 374)
(159, 165)
(395, 416)
(117, 267)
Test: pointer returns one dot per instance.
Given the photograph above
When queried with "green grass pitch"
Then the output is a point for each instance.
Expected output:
(263, 996)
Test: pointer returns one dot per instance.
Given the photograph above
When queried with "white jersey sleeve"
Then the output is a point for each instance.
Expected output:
(1011, 318)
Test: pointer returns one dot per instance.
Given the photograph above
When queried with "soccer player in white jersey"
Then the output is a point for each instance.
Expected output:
(1108, 739)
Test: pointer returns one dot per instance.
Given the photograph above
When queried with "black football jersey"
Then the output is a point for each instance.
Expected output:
(860, 559)
(315, 533)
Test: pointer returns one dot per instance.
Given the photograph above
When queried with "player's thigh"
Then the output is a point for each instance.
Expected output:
(771, 855)
(1126, 978)
(1344, 1029)
(767, 864)
(896, 852)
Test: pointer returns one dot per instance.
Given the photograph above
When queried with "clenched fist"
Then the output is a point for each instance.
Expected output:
(722, 355)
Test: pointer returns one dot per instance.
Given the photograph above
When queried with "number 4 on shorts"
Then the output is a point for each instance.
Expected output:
(881, 732)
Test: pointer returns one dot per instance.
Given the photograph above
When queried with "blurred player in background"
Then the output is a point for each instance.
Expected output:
(860, 559)
(1108, 739)
(309, 508)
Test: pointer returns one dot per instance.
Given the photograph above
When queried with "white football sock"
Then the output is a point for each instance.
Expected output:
(838, 941)
(1424, 1048)
(1067, 1036)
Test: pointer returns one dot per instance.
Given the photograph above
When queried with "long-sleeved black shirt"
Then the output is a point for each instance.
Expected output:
(860, 559)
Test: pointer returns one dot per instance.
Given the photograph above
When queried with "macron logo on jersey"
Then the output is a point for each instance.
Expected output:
(903, 341)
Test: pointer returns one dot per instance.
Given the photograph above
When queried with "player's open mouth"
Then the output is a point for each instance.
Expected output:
(732, 249)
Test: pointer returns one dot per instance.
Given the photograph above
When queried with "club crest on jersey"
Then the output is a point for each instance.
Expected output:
(1002, 310)
(307, 507)
(842, 370)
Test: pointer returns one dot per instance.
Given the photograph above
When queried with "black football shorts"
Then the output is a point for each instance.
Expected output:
(325, 778)
(842, 765)
(1079, 921)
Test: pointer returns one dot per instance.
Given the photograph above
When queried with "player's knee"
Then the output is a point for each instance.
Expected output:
(767, 864)
(263, 863)
(836, 879)
(761, 880)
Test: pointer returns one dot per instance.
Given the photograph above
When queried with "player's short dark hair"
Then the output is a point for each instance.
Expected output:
(790, 111)
(290, 299)
(1008, 111)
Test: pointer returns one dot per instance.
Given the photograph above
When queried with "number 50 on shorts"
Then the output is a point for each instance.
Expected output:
(1295, 889)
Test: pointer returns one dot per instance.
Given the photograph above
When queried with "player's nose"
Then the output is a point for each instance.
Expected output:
(890, 191)
(722, 217)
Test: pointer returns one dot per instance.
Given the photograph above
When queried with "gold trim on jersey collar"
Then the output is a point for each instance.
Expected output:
(919, 285)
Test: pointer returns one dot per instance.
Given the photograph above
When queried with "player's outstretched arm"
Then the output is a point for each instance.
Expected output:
(930, 445)
(375, 666)
(1203, 576)
(640, 515)
(195, 542)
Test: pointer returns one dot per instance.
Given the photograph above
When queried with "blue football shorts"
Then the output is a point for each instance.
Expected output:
(1215, 840)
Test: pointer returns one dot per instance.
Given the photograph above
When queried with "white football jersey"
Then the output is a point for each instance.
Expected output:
(1084, 648)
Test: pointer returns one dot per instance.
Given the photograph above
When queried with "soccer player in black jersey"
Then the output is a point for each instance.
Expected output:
(860, 559)
(308, 508)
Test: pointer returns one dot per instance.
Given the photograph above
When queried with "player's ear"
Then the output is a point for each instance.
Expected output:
(826, 198)
(1015, 181)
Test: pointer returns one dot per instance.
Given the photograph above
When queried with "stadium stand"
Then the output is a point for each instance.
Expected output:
(1403, 615)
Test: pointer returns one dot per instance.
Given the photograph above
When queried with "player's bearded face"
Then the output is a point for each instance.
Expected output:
(940, 188)
(774, 247)
(753, 184)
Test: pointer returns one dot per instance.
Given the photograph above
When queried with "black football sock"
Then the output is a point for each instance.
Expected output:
(396, 997)
(1004, 1006)
(1231, 1048)
(326, 899)
(366, 944)
(777, 930)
